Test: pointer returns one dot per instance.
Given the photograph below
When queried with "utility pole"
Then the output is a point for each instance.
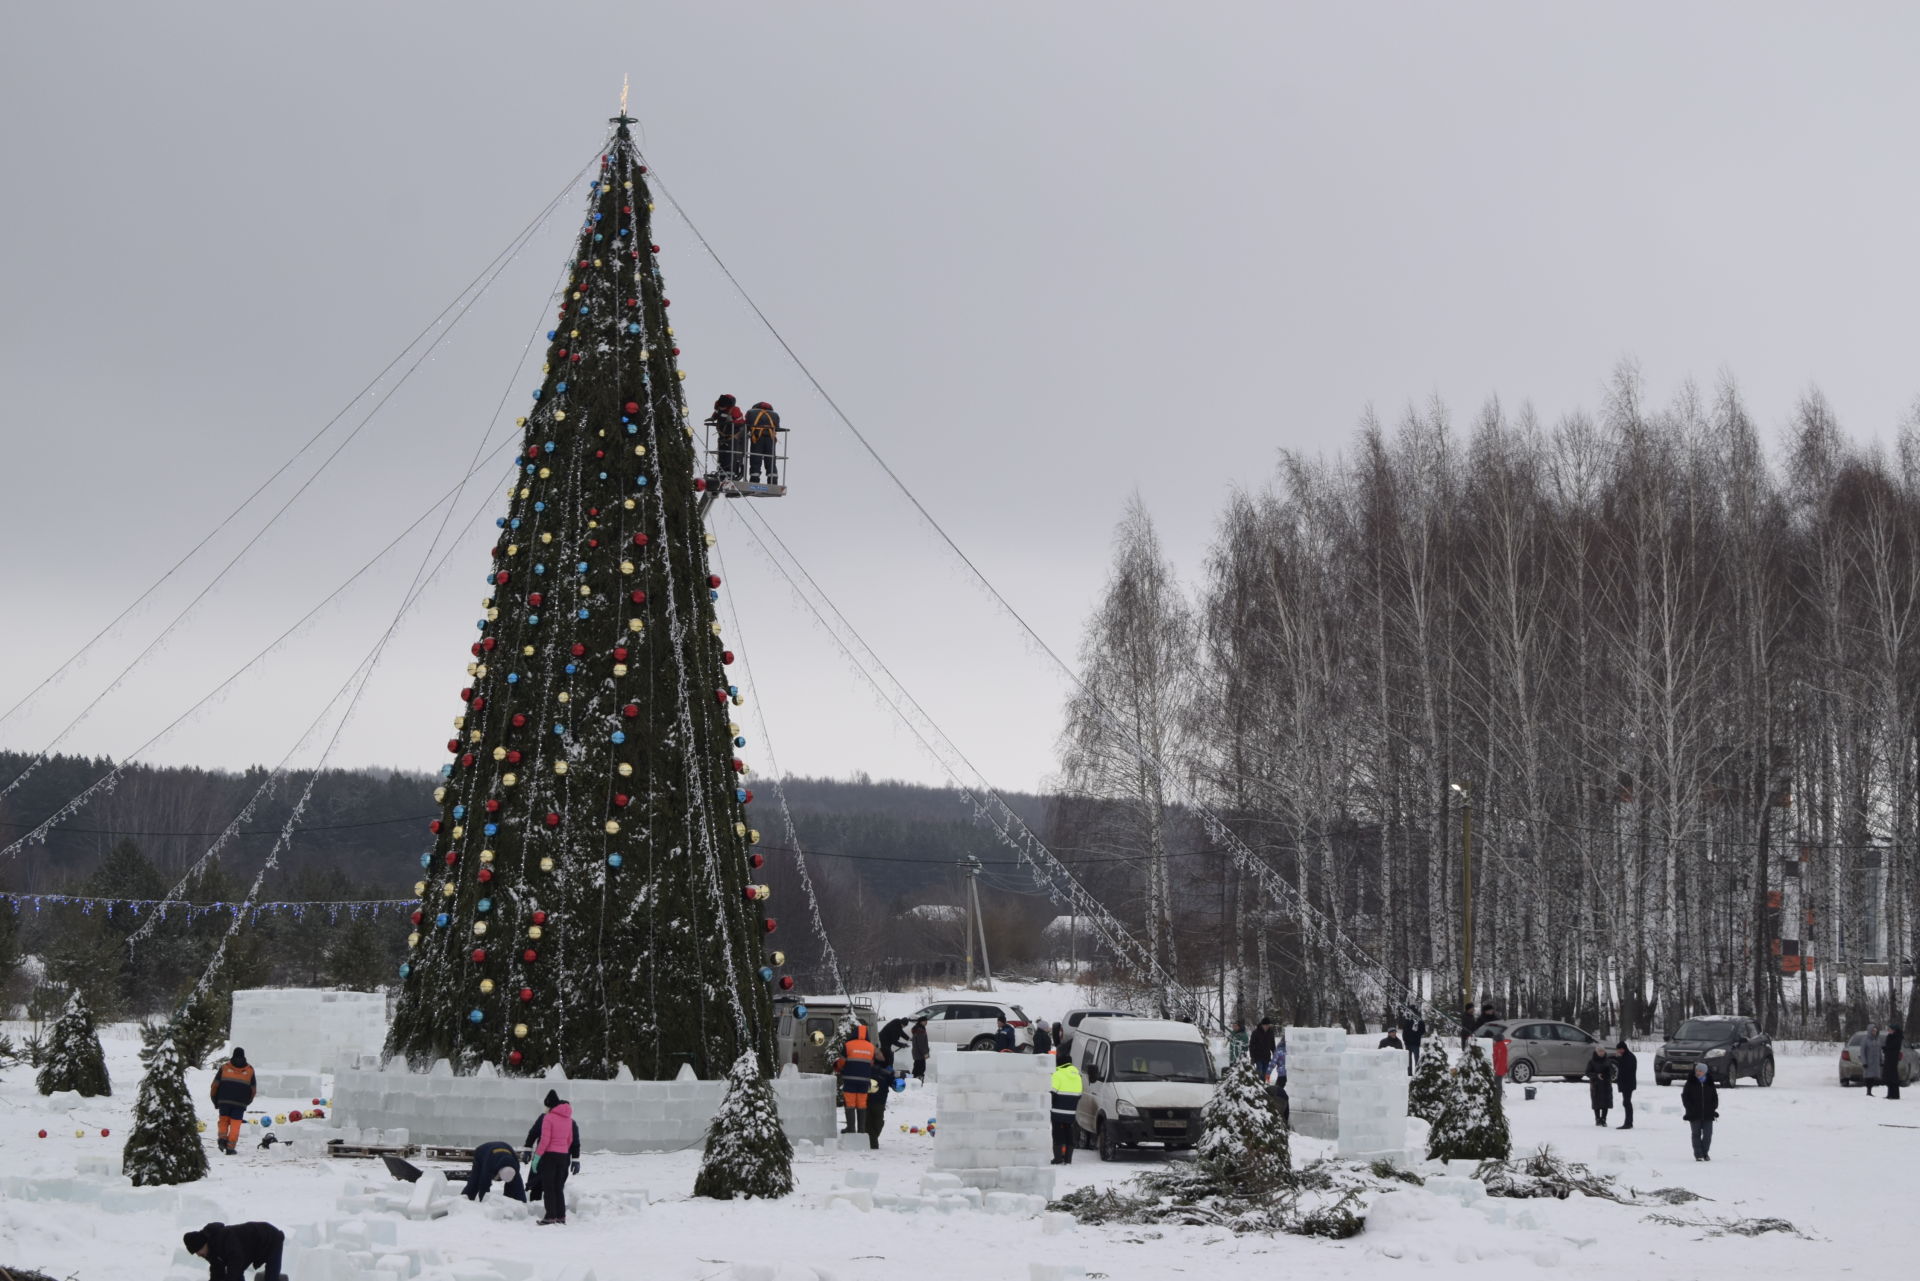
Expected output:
(1466, 914)
(976, 922)
(968, 909)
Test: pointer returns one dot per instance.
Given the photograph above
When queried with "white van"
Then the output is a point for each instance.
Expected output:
(1146, 1081)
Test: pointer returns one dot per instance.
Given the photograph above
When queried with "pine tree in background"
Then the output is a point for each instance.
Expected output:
(747, 1152)
(73, 1059)
(1245, 1139)
(588, 899)
(165, 1146)
(1472, 1124)
(1431, 1085)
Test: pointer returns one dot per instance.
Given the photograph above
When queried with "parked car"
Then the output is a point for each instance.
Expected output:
(1070, 1023)
(793, 1037)
(1729, 1044)
(1539, 1047)
(1145, 1081)
(1851, 1059)
(971, 1022)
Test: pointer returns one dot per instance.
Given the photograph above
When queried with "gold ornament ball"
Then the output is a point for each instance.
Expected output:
(458, 831)
(626, 770)
(711, 540)
(545, 473)
(202, 1126)
(479, 927)
(619, 669)
(513, 549)
(493, 615)
(520, 422)
(559, 415)
(546, 538)
(447, 890)
(509, 779)
(739, 700)
(499, 753)
(525, 492)
(733, 728)
(486, 856)
(481, 670)
(534, 931)
(635, 625)
(486, 985)
(546, 865)
(628, 504)
(559, 767)
(413, 940)
(818, 1038)
(753, 838)
(563, 696)
(585, 590)
(520, 1029)
(641, 450)
(281, 1119)
(527, 650)
(778, 958)
(739, 829)
(459, 722)
(613, 827)
(440, 793)
(626, 567)
(419, 887)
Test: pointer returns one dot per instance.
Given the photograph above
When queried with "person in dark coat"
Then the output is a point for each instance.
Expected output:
(876, 1115)
(763, 427)
(1413, 1030)
(1391, 1041)
(1600, 1084)
(893, 1038)
(230, 1249)
(494, 1162)
(1260, 1046)
(1890, 1060)
(730, 433)
(1700, 1103)
(1871, 1057)
(1626, 1079)
(1004, 1039)
(919, 1044)
(1042, 1039)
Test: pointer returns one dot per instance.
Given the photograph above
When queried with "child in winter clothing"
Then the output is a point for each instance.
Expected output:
(231, 1249)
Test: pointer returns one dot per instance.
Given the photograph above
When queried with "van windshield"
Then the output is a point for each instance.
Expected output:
(1161, 1061)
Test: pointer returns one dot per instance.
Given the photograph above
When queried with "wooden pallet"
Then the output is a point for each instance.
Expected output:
(440, 1152)
(362, 1150)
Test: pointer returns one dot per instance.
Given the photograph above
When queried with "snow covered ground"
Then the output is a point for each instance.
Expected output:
(1831, 1161)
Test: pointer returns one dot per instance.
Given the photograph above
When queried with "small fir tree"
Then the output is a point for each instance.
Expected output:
(747, 1152)
(73, 1059)
(165, 1146)
(1427, 1092)
(1245, 1138)
(1472, 1125)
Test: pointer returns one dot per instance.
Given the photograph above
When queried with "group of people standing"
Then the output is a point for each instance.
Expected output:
(746, 437)
(1606, 1073)
(867, 1072)
(1880, 1057)
(551, 1153)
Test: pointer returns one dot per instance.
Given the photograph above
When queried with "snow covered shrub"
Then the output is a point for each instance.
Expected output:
(747, 1152)
(1472, 1125)
(165, 1145)
(1245, 1140)
(73, 1060)
(1427, 1092)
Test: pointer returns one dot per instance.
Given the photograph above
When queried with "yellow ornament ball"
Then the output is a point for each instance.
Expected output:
(534, 931)
(559, 767)
(447, 890)
(711, 540)
(778, 958)
(419, 887)
(280, 1119)
(486, 985)
(625, 769)
(640, 450)
(480, 670)
(479, 927)
(753, 838)
(563, 696)
(613, 826)
(636, 625)
(499, 753)
(559, 415)
(486, 856)
(585, 590)
(520, 1029)
(520, 422)
(619, 669)
(818, 1038)
(513, 549)
(628, 504)
(739, 700)
(202, 1126)
(509, 779)
(413, 940)
(546, 865)
(739, 829)
(527, 650)
(459, 722)
(546, 538)
(79, 1134)
(493, 614)
(545, 473)
(626, 567)
(525, 492)
(440, 793)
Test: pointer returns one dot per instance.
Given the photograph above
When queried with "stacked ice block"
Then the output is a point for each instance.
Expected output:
(304, 1032)
(1373, 1104)
(994, 1130)
(1313, 1079)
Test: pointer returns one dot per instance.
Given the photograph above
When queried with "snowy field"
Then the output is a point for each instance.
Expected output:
(1828, 1160)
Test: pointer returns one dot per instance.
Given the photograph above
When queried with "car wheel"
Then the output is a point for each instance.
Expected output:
(1108, 1150)
(1764, 1077)
(980, 1043)
(1520, 1073)
(1662, 1081)
(1844, 1083)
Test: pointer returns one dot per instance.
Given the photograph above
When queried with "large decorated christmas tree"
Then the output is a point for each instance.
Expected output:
(588, 897)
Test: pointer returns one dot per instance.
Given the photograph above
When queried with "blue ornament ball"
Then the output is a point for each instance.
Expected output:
(485, 905)
(619, 736)
(426, 860)
(799, 1011)
(766, 974)
(492, 829)
(405, 969)
(475, 1016)
(583, 613)
(614, 860)
(459, 811)
(740, 794)
(440, 919)
(740, 742)
(266, 1122)
(513, 678)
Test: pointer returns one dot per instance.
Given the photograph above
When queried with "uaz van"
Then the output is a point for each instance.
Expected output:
(1145, 1081)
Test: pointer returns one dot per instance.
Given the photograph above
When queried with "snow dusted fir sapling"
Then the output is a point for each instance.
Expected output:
(1432, 1083)
(73, 1059)
(1472, 1125)
(165, 1146)
(1245, 1140)
(588, 897)
(747, 1152)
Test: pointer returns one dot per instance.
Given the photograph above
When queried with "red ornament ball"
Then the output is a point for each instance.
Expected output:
(620, 653)
(630, 711)
(514, 1057)
(434, 826)
(593, 542)
(418, 915)
(502, 576)
(726, 656)
(519, 720)
(479, 704)
(553, 820)
(786, 982)
(738, 765)
(720, 696)
(295, 1115)
(479, 955)
(771, 924)
(633, 407)
(513, 757)
(488, 644)
(466, 692)
(485, 874)
(534, 599)
(713, 580)
(475, 650)
(599, 453)
(748, 798)
(539, 917)
(453, 856)
(467, 760)
(105, 1133)
(43, 1134)
(453, 745)
(578, 650)
(756, 861)
(641, 540)
(639, 598)
(318, 1114)
(699, 485)
(653, 248)
(529, 956)
(533, 451)
(620, 799)
(526, 994)
(493, 806)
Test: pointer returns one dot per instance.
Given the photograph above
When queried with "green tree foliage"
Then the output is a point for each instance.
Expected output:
(747, 1153)
(1472, 1124)
(1432, 1083)
(592, 850)
(165, 1145)
(73, 1059)
(1245, 1140)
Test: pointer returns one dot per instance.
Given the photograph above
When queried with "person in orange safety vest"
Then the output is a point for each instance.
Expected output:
(855, 1067)
(233, 1090)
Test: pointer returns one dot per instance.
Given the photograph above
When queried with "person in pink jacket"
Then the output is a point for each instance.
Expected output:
(555, 1141)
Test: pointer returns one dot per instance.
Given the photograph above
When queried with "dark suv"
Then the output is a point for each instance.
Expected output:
(1729, 1044)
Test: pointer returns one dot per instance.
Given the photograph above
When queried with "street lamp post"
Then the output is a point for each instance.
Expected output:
(1466, 905)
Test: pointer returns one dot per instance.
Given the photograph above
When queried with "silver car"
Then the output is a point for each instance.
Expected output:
(1537, 1047)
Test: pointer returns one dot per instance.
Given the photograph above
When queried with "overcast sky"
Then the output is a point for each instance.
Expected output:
(1042, 254)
